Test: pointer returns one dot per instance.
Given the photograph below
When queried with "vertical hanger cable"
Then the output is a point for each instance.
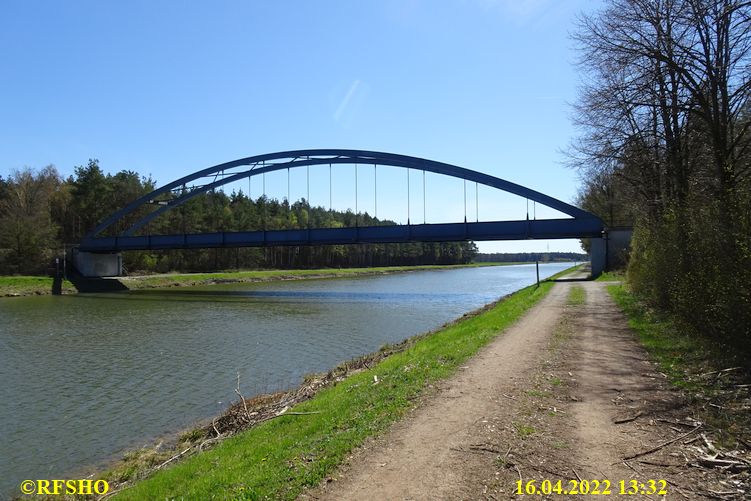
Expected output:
(465, 200)
(407, 196)
(356, 206)
(375, 189)
(424, 203)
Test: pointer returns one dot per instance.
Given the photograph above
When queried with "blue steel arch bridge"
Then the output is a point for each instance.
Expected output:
(98, 250)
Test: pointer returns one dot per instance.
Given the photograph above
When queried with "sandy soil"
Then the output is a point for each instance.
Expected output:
(544, 401)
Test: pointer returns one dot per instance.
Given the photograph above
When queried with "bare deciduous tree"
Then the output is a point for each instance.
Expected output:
(26, 228)
(660, 72)
(665, 111)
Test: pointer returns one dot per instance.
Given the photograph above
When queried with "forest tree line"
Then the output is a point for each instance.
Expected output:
(665, 145)
(529, 257)
(41, 213)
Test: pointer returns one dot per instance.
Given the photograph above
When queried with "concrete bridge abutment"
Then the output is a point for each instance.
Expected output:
(598, 256)
(93, 264)
(610, 252)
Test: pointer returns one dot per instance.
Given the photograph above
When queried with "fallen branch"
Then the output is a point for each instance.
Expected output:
(628, 419)
(714, 462)
(546, 470)
(675, 487)
(722, 493)
(245, 404)
(474, 450)
(635, 470)
(284, 412)
(216, 430)
(679, 423)
(733, 456)
(484, 448)
(746, 444)
(709, 445)
(719, 372)
(664, 444)
(173, 458)
(657, 463)
(208, 441)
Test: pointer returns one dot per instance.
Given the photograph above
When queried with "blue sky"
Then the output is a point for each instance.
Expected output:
(169, 87)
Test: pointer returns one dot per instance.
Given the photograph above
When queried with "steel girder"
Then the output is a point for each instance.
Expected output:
(444, 232)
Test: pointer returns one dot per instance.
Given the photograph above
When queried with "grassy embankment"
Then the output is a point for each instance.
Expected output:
(30, 286)
(193, 279)
(38, 285)
(714, 376)
(280, 457)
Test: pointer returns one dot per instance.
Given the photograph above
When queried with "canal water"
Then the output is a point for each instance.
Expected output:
(85, 377)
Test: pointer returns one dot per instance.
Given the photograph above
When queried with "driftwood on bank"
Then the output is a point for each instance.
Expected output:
(249, 412)
(658, 447)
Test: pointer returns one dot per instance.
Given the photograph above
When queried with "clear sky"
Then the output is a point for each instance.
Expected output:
(165, 88)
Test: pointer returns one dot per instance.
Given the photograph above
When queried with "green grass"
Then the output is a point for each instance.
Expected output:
(705, 369)
(576, 296)
(678, 353)
(38, 285)
(280, 457)
(190, 279)
(538, 393)
(524, 430)
(611, 276)
(29, 285)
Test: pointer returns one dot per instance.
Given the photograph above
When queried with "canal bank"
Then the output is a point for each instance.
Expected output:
(21, 286)
(567, 401)
(299, 437)
(150, 362)
(252, 276)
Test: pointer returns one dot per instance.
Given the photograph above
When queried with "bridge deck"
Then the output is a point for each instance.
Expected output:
(479, 231)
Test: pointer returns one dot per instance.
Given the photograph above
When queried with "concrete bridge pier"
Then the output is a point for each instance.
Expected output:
(610, 252)
(598, 255)
(92, 264)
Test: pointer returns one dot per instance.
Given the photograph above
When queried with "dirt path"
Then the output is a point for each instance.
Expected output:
(540, 402)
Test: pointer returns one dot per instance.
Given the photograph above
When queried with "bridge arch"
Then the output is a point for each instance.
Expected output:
(260, 164)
